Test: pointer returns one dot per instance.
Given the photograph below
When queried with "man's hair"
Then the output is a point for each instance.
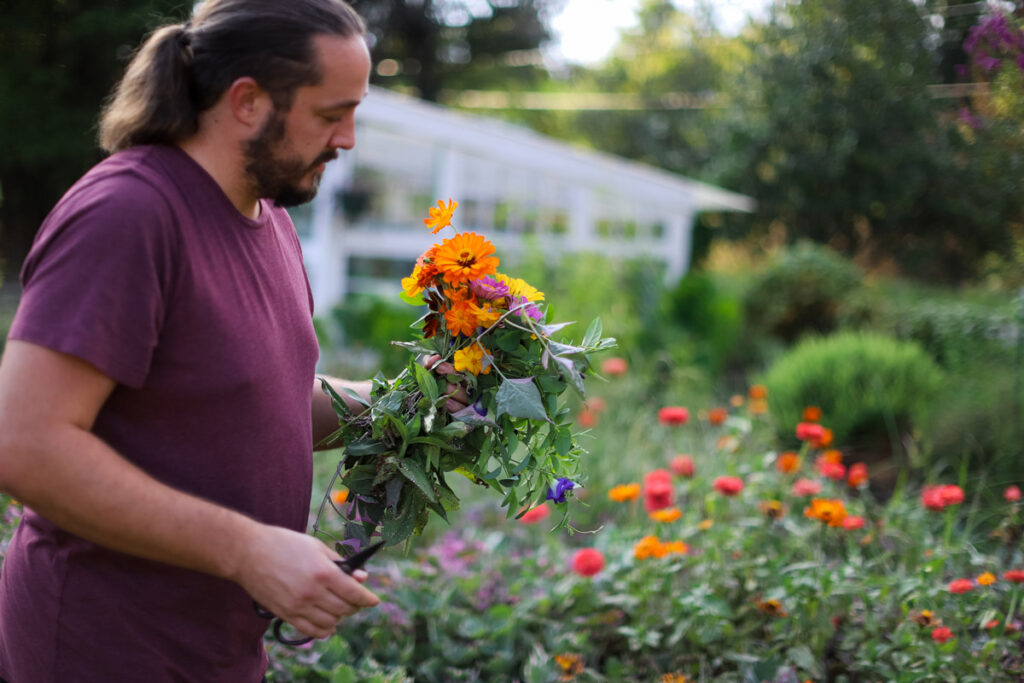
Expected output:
(183, 69)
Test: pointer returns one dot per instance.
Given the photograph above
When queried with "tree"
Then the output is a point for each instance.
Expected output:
(59, 59)
(845, 144)
(429, 45)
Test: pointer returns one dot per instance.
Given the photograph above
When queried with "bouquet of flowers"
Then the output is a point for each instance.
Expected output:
(515, 438)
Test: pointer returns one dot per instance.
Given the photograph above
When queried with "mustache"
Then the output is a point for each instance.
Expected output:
(327, 156)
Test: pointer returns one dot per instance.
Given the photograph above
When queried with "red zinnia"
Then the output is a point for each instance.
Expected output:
(728, 486)
(588, 562)
(1012, 494)
(857, 475)
(809, 431)
(942, 634)
(961, 586)
(832, 470)
(939, 497)
(536, 514)
(673, 415)
(682, 465)
(1014, 575)
(658, 491)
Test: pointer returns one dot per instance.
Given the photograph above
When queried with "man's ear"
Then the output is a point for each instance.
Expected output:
(250, 104)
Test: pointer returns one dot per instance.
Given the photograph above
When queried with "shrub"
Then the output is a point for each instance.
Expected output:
(867, 385)
(710, 315)
(802, 291)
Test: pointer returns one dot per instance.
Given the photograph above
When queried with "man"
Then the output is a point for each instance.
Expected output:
(157, 401)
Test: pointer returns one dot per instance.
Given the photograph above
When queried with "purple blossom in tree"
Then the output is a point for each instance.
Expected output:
(562, 486)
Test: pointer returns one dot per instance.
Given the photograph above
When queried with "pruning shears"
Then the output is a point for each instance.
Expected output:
(348, 565)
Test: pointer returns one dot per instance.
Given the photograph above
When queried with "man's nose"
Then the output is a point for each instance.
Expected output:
(344, 135)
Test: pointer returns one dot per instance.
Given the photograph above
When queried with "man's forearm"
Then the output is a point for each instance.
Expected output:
(75, 480)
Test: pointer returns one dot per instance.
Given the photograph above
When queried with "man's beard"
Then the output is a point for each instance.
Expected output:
(279, 178)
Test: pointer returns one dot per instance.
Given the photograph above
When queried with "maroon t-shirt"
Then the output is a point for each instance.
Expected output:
(204, 319)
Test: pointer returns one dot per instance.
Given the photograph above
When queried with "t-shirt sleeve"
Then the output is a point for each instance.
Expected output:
(97, 279)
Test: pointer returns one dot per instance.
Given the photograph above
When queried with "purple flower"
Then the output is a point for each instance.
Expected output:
(527, 307)
(562, 486)
(479, 408)
(488, 289)
(970, 119)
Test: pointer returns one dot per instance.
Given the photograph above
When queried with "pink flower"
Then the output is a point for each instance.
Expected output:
(673, 415)
(961, 586)
(728, 486)
(857, 475)
(852, 522)
(1012, 494)
(682, 465)
(588, 562)
(809, 431)
(615, 366)
(941, 634)
(939, 497)
(658, 491)
(832, 470)
(535, 514)
(806, 487)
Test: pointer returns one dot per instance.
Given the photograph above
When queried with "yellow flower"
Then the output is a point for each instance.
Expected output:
(832, 512)
(471, 359)
(441, 216)
(674, 678)
(411, 284)
(624, 492)
(772, 608)
(666, 515)
(486, 315)
(517, 287)
(465, 257)
(986, 579)
(570, 665)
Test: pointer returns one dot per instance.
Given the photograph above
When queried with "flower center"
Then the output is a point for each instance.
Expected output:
(466, 258)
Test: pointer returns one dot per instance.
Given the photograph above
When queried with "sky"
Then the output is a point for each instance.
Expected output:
(588, 29)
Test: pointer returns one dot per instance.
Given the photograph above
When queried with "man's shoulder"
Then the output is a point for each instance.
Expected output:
(138, 176)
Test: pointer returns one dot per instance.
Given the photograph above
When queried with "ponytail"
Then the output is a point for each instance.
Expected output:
(153, 102)
(183, 69)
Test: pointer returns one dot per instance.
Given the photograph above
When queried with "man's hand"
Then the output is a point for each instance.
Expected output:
(457, 394)
(294, 576)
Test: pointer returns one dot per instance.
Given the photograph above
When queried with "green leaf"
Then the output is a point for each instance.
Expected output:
(340, 407)
(397, 528)
(414, 472)
(520, 398)
(425, 381)
(412, 300)
(362, 448)
(593, 334)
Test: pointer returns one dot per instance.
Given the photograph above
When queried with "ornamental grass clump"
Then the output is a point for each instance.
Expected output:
(516, 438)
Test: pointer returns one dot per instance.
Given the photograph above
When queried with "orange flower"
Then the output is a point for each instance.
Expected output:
(758, 406)
(716, 416)
(465, 257)
(665, 515)
(831, 455)
(772, 608)
(461, 319)
(486, 315)
(441, 216)
(825, 440)
(758, 392)
(772, 509)
(676, 548)
(787, 462)
(812, 414)
(736, 400)
(624, 492)
(339, 496)
(675, 677)
(705, 524)
(831, 512)
(570, 665)
(986, 579)
(649, 546)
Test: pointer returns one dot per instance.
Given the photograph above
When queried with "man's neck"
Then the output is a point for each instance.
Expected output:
(226, 169)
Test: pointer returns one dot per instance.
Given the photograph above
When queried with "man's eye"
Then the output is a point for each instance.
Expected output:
(331, 119)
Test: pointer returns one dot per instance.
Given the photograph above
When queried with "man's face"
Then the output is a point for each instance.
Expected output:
(285, 159)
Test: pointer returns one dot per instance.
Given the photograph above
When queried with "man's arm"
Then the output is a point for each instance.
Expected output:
(51, 461)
